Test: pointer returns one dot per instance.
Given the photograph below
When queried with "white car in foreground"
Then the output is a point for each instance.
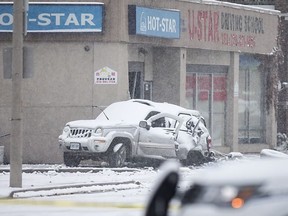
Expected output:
(135, 129)
(239, 188)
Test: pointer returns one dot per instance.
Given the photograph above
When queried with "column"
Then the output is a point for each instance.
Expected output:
(232, 102)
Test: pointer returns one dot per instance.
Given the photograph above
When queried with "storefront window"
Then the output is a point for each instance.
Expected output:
(251, 111)
(206, 91)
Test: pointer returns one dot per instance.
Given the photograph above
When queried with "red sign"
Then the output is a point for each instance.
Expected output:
(204, 87)
(224, 28)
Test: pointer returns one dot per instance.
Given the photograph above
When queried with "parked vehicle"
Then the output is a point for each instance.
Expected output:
(240, 188)
(137, 128)
(271, 153)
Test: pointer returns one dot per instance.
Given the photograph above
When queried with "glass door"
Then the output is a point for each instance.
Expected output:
(207, 92)
(251, 101)
(136, 79)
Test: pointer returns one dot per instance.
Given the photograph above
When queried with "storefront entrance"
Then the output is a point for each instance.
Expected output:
(138, 88)
(206, 91)
(136, 79)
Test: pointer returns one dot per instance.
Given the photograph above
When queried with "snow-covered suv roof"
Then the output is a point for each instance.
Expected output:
(135, 110)
(127, 111)
(167, 107)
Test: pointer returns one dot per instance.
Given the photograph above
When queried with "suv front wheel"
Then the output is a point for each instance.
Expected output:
(71, 160)
(118, 158)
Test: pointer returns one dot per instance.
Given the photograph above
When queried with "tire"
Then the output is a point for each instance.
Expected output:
(195, 158)
(117, 159)
(71, 160)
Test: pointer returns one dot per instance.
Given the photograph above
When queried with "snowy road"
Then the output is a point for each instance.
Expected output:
(128, 196)
(58, 190)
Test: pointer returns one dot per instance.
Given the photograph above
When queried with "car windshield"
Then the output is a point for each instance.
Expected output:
(127, 111)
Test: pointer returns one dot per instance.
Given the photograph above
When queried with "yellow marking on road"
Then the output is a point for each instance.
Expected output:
(59, 203)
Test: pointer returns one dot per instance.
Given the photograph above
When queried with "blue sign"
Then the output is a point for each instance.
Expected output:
(53, 17)
(154, 22)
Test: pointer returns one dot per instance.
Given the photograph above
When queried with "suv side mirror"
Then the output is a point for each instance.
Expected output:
(144, 124)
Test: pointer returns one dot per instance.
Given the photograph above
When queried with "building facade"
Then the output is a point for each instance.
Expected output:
(282, 105)
(82, 56)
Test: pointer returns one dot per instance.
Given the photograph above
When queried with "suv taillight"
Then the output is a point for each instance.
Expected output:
(209, 142)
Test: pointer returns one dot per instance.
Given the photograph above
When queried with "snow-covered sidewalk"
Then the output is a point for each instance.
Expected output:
(49, 180)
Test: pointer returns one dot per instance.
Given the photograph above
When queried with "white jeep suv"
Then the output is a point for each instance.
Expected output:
(135, 129)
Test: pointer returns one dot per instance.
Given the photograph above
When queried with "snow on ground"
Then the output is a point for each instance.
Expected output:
(54, 178)
(128, 198)
(64, 180)
(52, 190)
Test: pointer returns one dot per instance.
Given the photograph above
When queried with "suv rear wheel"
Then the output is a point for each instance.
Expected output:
(195, 158)
(71, 160)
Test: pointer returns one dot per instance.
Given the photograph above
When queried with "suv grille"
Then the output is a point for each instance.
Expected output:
(80, 133)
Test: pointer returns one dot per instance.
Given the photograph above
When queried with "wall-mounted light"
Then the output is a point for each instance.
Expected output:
(282, 86)
(285, 15)
(87, 48)
(142, 51)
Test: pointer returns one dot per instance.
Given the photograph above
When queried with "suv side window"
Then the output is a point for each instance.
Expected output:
(184, 116)
(159, 122)
(152, 113)
(165, 122)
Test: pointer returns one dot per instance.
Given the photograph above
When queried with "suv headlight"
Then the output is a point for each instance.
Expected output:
(65, 132)
(98, 132)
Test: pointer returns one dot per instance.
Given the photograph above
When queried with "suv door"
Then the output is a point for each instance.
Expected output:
(160, 137)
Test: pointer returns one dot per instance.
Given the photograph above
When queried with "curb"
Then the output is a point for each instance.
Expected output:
(76, 169)
(87, 188)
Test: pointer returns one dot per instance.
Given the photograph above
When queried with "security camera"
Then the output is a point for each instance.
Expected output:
(284, 84)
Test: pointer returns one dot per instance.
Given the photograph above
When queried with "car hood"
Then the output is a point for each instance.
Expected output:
(245, 172)
(94, 124)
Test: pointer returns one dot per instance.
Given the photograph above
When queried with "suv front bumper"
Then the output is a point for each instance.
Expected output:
(91, 144)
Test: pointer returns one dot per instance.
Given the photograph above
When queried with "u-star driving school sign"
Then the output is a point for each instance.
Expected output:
(56, 17)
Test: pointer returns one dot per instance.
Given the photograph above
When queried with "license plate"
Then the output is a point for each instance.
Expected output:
(74, 146)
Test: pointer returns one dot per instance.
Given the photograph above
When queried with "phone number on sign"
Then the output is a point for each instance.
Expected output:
(238, 40)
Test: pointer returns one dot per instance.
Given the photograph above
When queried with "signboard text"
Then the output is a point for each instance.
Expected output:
(225, 28)
(154, 22)
(56, 17)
